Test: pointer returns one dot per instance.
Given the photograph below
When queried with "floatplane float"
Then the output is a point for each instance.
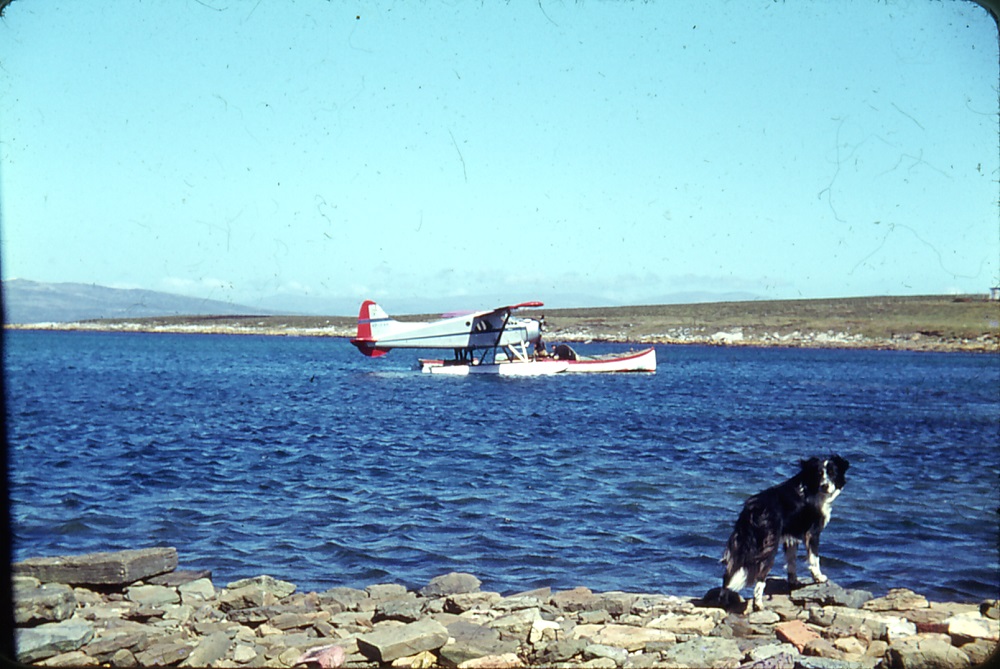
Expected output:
(486, 342)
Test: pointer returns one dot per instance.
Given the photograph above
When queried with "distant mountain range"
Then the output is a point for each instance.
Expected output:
(27, 301)
(34, 302)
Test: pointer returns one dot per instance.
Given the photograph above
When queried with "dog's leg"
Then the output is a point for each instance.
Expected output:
(791, 555)
(735, 581)
(758, 596)
(812, 553)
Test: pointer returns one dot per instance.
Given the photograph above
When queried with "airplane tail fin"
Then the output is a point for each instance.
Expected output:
(372, 321)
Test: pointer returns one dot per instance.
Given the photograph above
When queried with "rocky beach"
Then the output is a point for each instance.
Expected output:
(931, 323)
(136, 608)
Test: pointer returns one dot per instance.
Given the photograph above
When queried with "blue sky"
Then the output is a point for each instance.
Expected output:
(309, 155)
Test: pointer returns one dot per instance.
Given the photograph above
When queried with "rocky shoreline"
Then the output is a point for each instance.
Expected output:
(135, 608)
(736, 336)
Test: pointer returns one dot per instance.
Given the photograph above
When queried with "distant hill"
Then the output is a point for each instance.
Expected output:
(34, 302)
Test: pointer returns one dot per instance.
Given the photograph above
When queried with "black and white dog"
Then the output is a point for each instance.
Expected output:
(793, 511)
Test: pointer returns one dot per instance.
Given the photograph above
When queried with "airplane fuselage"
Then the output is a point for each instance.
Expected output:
(378, 332)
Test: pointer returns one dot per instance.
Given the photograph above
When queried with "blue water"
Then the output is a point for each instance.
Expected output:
(299, 458)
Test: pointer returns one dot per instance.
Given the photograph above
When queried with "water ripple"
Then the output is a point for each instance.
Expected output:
(293, 457)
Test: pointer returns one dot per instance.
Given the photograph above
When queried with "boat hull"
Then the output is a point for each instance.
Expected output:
(640, 361)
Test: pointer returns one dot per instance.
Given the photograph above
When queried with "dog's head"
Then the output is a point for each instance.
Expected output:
(827, 476)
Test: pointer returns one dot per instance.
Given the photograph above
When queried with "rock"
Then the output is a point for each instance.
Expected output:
(544, 632)
(462, 602)
(50, 639)
(424, 660)
(519, 603)
(990, 608)
(385, 645)
(163, 654)
(822, 648)
(245, 597)
(254, 615)
(179, 577)
(954, 608)
(964, 628)
(559, 651)
(196, 591)
(926, 651)
(209, 650)
(595, 650)
(152, 595)
(348, 599)
(469, 640)
(815, 662)
(516, 624)
(124, 658)
(382, 591)
(770, 650)
(796, 633)
(765, 617)
(243, 653)
(703, 652)
(897, 599)
(928, 620)
(684, 624)
(454, 583)
(577, 599)
(288, 620)
(593, 617)
(776, 661)
(179, 613)
(505, 661)
(876, 648)
(106, 646)
(120, 568)
(979, 652)
(884, 626)
(829, 593)
(352, 622)
(629, 637)
(51, 602)
(73, 658)
(850, 646)
(403, 610)
(279, 589)
(617, 604)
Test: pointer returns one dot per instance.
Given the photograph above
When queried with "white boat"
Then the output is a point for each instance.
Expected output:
(633, 361)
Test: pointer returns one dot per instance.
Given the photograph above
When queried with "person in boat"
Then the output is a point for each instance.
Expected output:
(540, 352)
(564, 352)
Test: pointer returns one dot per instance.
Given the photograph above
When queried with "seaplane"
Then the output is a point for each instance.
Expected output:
(486, 342)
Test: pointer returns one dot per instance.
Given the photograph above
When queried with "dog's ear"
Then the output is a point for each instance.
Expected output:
(837, 470)
(812, 473)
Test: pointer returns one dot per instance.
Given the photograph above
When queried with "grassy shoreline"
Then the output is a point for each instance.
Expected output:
(938, 323)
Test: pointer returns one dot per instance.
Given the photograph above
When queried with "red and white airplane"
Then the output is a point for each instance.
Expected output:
(493, 331)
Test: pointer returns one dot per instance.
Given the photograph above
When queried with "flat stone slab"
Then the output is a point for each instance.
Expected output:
(50, 639)
(706, 651)
(392, 643)
(829, 593)
(117, 569)
(51, 602)
(179, 577)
